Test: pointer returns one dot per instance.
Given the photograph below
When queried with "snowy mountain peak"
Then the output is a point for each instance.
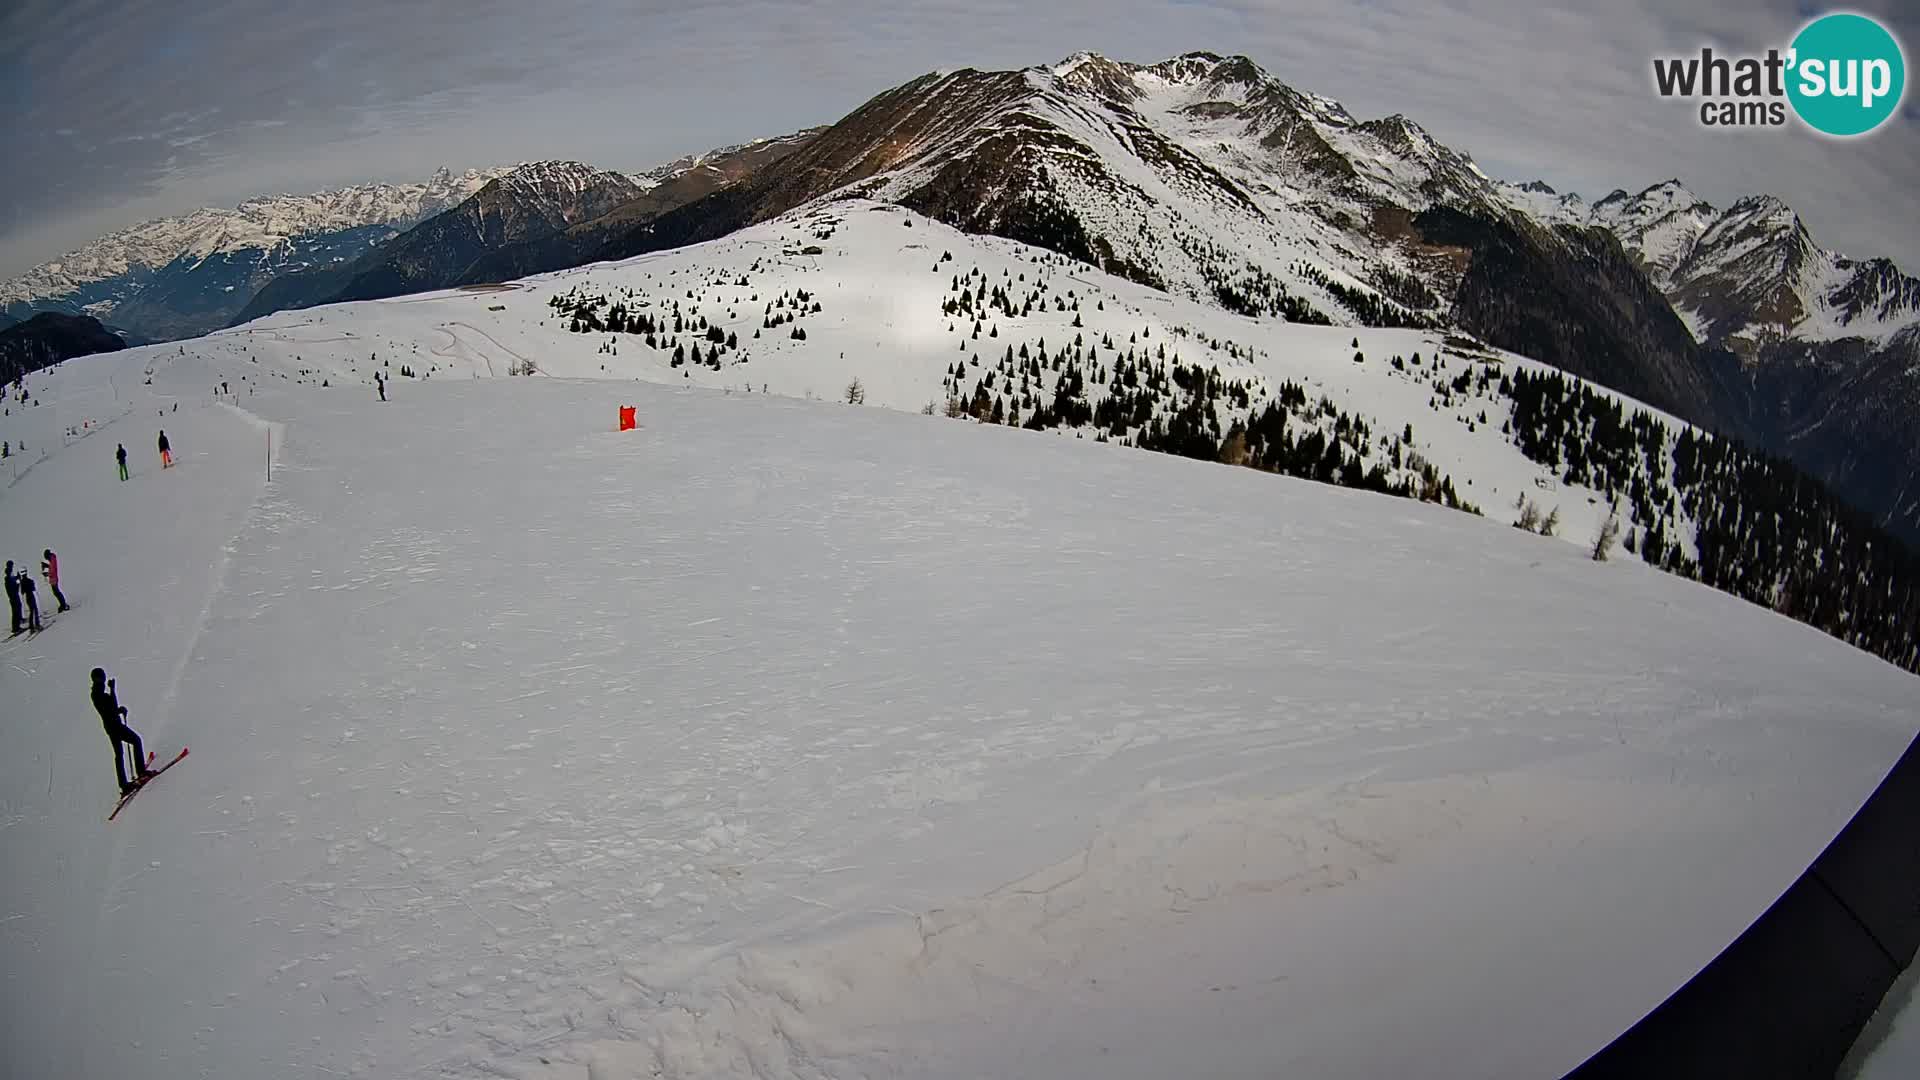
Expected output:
(556, 178)
(1660, 199)
(1877, 293)
(1545, 204)
(1073, 63)
(1403, 136)
(1200, 173)
(1210, 69)
(1192, 67)
(552, 168)
(1758, 221)
(1767, 209)
(660, 174)
(1197, 78)
(1092, 72)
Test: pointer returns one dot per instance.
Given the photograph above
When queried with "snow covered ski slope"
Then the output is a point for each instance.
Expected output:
(789, 738)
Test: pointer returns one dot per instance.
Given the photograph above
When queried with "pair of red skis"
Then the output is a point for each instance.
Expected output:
(145, 780)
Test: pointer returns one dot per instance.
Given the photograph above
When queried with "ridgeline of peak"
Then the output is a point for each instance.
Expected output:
(1198, 67)
(555, 182)
(551, 170)
(1209, 69)
(728, 163)
(532, 201)
(1402, 135)
(1219, 80)
(1763, 205)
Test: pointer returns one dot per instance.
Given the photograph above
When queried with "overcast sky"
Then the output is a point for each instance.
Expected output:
(115, 112)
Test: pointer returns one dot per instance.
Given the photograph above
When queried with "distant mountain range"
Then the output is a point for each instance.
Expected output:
(1203, 176)
(181, 276)
(541, 216)
(1746, 276)
(530, 200)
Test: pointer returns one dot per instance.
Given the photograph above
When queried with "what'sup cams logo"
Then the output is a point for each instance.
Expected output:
(1843, 75)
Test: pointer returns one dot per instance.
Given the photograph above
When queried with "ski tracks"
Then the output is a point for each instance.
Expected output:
(170, 691)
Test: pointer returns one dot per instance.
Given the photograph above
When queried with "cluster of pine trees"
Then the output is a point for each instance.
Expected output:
(1760, 528)
(1139, 394)
(786, 309)
(1371, 308)
(684, 332)
(1343, 452)
(1136, 393)
(1246, 289)
(1255, 292)
(1406, 290)
(1011, 297)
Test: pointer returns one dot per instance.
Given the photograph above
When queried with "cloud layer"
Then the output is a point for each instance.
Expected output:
(122, 111)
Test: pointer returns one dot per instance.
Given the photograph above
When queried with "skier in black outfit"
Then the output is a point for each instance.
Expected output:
(106, 701)
(13, 597)
(33, 604)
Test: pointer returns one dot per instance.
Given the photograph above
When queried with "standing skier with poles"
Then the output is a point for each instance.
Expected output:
(120, 455)
(113, 715)
(33, 604)
(166, 452)
(13, 597)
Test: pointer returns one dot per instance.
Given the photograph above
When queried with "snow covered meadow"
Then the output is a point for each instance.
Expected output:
(790, 738)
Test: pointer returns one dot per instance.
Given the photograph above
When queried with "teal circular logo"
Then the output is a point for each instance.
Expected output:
(1847, 74)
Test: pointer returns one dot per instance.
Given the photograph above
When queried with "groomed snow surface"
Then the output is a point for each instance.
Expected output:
(788, 738)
